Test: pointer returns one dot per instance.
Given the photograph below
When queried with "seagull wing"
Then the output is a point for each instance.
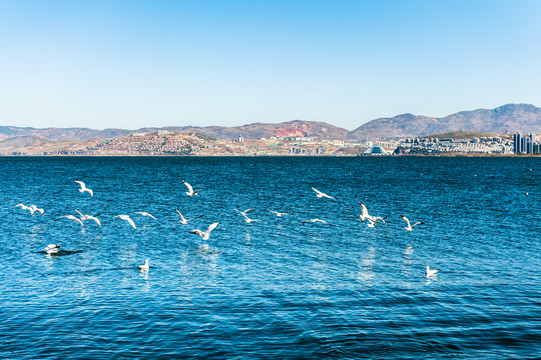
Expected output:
(364, 210)
(95, 219)
(190, 188)
(182, 218)
(197, 217)
(196, 231)
(212, 226)
(406, 220)
(131, 222)
(81, 183)
(317, 191)
(417, 223)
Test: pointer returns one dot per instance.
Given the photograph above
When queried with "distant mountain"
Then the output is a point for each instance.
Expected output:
(251, 131)
(521, 118)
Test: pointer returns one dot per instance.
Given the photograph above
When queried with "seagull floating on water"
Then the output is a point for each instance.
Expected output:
(144, 213)
(88, 217)
(246, 218)
(185, 221)
(52, 248)
(145, 266)
(84, 188)
(190, 191)
(320, 194)
(72, 217)
(430, 272)
(128, 219)
(410, 227)
(205, 234)
(316, 220)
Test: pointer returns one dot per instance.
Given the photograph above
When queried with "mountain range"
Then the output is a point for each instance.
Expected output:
(523, 118)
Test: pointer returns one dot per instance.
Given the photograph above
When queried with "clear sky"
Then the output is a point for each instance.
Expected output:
(131, 64)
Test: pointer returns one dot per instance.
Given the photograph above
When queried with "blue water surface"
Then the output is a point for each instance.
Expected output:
(278, 288)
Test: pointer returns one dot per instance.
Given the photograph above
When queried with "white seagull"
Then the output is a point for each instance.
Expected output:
(316, 220)
(128, 219)
(52, 248)
(84, 188)
(144, 213)
(205, 234)
(279, 214)
(34, 208)
(430, 272)
(144, 267)
(320, 194)
(373, 220)
(88, 217)
(190, 191)
(71, 217)
(410, 227)
(24, 207)
(185, 221)
(246, 218)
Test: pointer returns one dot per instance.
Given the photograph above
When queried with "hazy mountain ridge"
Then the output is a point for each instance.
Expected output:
(513, 117)
(521, 118)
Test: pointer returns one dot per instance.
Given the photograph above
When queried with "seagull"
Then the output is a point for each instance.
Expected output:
(279, 214)
(430, 272)
(34, 208)
(144, 267)
(372, 219)
(410, 227)
(372, 223)
(128, 219)
(24, 207)
(246, 218)
(71, 217)
(205, 234)
(88, 217)
(320, 194)
(144, 213)
(190, 191)
(316, 220)
(84, 188)
(185, 221)
(52, 248)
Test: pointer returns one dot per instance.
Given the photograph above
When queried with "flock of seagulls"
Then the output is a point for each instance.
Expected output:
(371, 220)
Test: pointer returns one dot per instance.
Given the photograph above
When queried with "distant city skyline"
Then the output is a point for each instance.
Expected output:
(135, 64)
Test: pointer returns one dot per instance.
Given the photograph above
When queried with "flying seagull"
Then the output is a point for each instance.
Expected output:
(246, 218)
(34, 208)
(430, 272)
(128, 219)
(316, 220)
(84, 188)
(144, 213)
(279, 214)
(320, 194)
(24, 207)
(71, 217)
(185, 221)
(144, 267)
(410, 227)
(88, 217)
(372, 219)
(190, 191)
(205, 234)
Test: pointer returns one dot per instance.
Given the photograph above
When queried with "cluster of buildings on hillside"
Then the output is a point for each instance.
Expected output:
(165, 142)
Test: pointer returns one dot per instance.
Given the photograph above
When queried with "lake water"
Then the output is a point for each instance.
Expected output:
(276, 288)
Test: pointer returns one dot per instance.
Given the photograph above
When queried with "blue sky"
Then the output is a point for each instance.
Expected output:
(131, 64)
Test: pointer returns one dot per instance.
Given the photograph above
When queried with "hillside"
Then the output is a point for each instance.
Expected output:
(512, 117)
(523, 118)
